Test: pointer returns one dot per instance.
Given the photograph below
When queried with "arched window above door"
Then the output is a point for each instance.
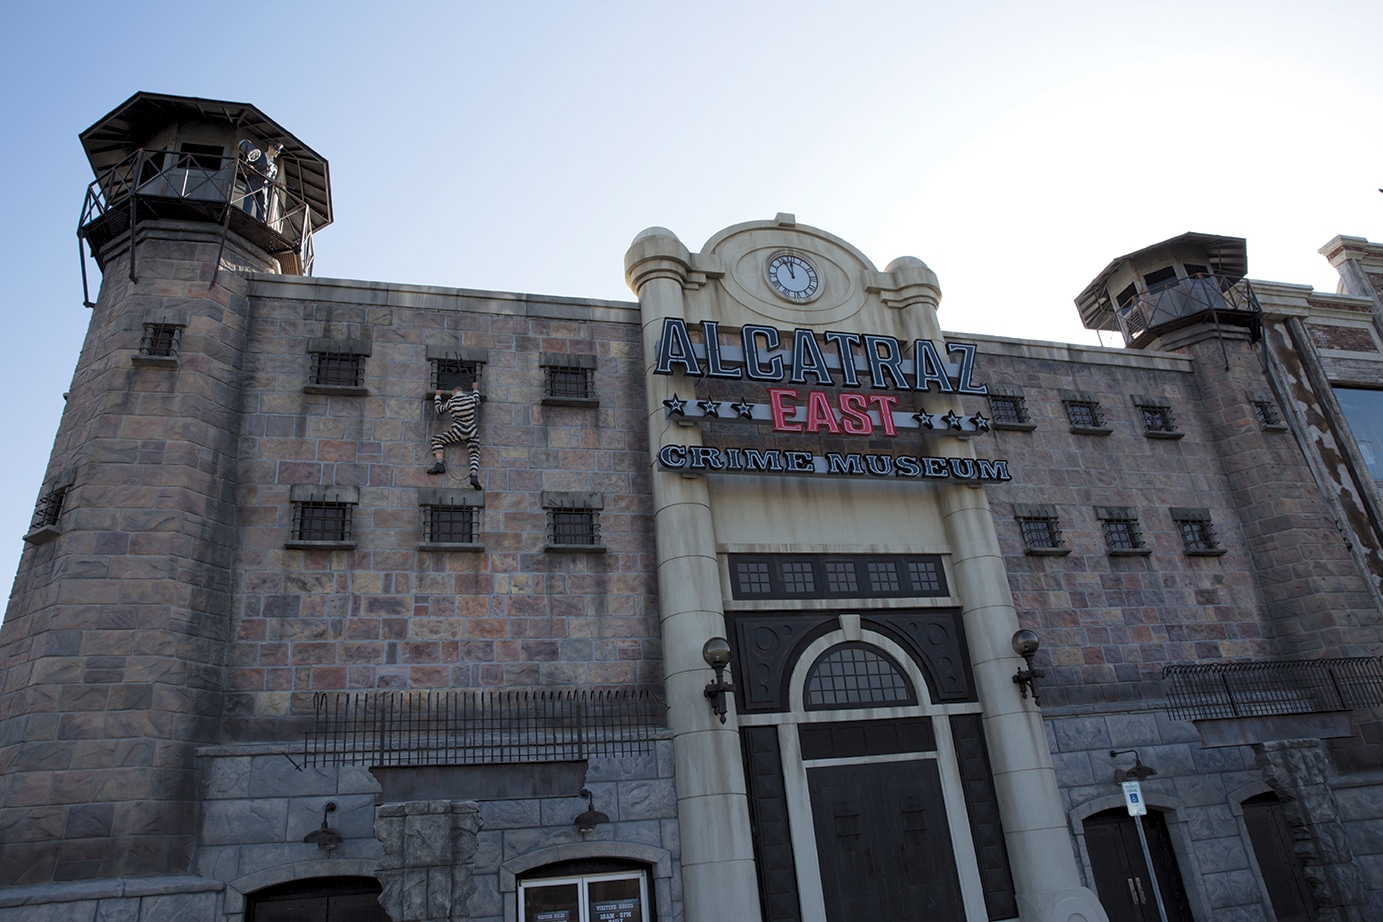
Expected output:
(852, 675)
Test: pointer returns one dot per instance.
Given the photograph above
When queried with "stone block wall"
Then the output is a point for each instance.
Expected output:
(387, 614)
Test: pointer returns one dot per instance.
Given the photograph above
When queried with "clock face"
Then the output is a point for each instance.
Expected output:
(793, 277)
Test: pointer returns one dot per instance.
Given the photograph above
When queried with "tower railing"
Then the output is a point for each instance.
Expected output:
(1188, 301)
(230, 191)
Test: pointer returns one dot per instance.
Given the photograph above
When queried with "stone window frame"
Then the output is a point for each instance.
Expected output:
(580, 366)
(48, 510)
(471, 359)
(1085, 400)
(1197, 532)
(1023, 423)
(1155, 415)
(430, 498)
(1267, 412)
(1123, 536)
(580, 510)
(305, 496)
(155, 322)
(1044, 513)
(357, 350)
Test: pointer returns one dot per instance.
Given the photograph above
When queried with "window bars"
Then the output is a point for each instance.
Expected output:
(322, 521)
(470, 727)
(160, 340)
(337, 369)
(449, 524)
(49, 508)
(1206, 691)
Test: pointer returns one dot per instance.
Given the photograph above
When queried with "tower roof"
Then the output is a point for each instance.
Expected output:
(1226, 257)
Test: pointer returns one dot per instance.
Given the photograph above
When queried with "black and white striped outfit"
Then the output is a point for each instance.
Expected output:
(464, 408)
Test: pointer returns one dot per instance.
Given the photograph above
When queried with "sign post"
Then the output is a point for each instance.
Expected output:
(1133, 799)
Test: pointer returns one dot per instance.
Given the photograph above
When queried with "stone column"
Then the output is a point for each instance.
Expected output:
(427, 871)
(1299, 771)
(1045, 875)
(718, 872)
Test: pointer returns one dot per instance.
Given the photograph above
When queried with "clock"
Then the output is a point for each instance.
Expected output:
(793, 277)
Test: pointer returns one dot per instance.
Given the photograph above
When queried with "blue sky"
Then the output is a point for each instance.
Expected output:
(1015, 147)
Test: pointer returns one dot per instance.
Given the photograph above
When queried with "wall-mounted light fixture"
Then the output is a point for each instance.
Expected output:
(325, 837)
(1026, 644)
(1139, 772)
(592, 818)
(716, 653)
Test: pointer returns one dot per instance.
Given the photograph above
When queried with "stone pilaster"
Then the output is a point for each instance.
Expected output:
(426, 871)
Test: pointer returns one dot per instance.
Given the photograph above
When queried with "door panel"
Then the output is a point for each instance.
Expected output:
(1277, 859)
(883, 842)
(1121, 874)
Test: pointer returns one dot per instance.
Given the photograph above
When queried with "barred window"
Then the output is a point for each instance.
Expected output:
(322, 522)
(1268, 415)
(570, 378)
(338, 369)
(856, 675)
(1008, 410)
(574, 527)
(1121, 532)
(160, 340)
(1040, 534)
(450, 524)
(1198, 538)
(1157, 419)
(451, 373)
(49, 507)
(1084, 414)
(573, 521)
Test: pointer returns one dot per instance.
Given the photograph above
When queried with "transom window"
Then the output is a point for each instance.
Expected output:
(856, 675)
(837, 576)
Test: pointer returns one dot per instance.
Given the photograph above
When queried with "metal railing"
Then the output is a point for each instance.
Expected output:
(1206, 691)
(468, 727)
(1183, 299)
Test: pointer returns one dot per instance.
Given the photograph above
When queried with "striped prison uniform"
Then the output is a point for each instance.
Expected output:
(464, 409)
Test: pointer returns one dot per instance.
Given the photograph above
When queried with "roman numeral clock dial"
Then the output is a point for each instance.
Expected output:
(793, 278)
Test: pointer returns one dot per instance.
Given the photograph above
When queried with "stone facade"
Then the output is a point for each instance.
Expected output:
(244, 540)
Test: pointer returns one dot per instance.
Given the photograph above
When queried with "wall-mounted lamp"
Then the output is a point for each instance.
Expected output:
(592, 818)
(716, 653)
(1139, 772)
(325, 837)
(1026, 644)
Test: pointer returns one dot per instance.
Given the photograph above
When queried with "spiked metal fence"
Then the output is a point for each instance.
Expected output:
(465, 727)
(1204, 691)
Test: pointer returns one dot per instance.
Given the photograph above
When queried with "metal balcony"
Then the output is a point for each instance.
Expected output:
(1202, 299)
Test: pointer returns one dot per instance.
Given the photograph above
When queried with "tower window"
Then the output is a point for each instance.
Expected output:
(573, 521)
(160, 340)
(200, 156)
(1122, 536)
(1198, 536)
(1267, 414)
(1160, 278)
(49, 507)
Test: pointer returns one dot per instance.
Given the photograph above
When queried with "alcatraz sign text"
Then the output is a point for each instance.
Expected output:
(759, 354)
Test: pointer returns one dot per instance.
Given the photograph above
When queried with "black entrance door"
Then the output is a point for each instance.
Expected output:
(1277, 859)
(1121, 874)
(883, 842)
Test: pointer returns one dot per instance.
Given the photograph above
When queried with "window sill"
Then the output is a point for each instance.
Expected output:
(575, 548)
(571, 402)
(336, 390)
(43, 535)
(471, 547)
(320, 545)
(1131, 552)
(1014, 427)
(1208, 552)
(1275, 427)
(1160, 434)
(154, 361)
(1047, 551)
(1090, 430)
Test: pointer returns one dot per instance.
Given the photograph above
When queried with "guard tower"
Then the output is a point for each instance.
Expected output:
(1191, 279)
(114, 644)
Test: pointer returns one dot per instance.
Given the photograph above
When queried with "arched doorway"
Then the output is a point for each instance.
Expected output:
(1121, 875)
(320, 899)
